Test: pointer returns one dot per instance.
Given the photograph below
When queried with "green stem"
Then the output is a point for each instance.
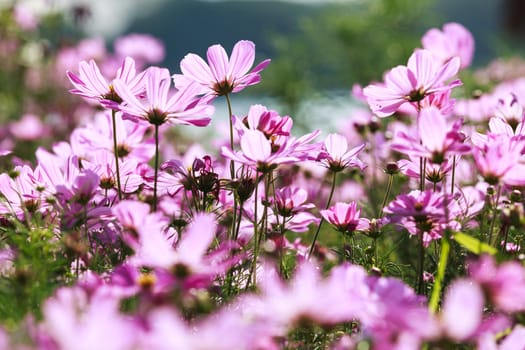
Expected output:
(115, 150)
(494, 215)
(239, 217)
(230, 115)
(255, 238)
(442, 267)
(322, 219)
(453, 175)
(263, 232)
(232, 165)
(422, 169)
(388, 188)
(420, 265)
(156, 167)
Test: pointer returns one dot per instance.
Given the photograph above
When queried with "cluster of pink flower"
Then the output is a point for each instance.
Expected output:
(206, 250)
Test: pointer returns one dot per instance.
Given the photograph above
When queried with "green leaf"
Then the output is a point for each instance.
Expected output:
(473, 244)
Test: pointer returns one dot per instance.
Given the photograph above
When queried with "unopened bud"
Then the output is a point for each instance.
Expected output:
(391, 168)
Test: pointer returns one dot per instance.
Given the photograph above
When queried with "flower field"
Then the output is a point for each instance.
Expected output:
(119, 230)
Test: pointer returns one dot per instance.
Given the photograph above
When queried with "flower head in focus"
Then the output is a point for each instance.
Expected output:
(221, 75)
(421, 77)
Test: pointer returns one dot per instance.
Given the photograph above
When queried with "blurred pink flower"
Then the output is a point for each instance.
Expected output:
(144, 48)
(499, 160)
(77, 321)
(221, 75)
(453, 41)
(462, 311)
(504, 285)
(25, 16)
(28, 128)
(132, 143)
(20, 194)
(510, 110)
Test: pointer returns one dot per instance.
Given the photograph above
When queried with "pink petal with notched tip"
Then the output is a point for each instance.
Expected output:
(242, 58)
(218, 62)
(194, 67)
(255, 146)
(336, 146)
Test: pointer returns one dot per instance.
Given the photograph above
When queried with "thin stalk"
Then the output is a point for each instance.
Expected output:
(422, 170)
(387, 193)
(156, 167)
(230, 114)
(494, 215)
(115, 150)
(322, 219)
(269, 179)
(239, 217)
(232, 165)
(281, 252)
(204, 195)
(453, 175)
(375, 250)
(255, 238)
(344, 248)
(505, 233)
(442, 267)
(420, 265)
(264, 220)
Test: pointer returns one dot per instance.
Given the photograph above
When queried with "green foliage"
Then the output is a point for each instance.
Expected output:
(473, 245)
(344, 44)
(38, 268)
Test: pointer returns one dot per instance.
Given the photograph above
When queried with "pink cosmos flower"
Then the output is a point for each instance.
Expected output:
(434, 173)
(20, 192)
(157, 107)
(462, 309)
(76, 320)
(133, 217)
(102, 163)
(91, 84)
(510, 110)
(499, 160)
(256, 150)
(345, 217)
(189, 259)
(437, 140)
(221, 75)
(336, 156)
(308, 297)
(423, 213)
(132, 143)
(504, 285)
(453, 41)
(276, 128)
(423, 76)
(291, 200)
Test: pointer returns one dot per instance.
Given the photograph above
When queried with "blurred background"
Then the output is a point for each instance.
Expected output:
(319, 49)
